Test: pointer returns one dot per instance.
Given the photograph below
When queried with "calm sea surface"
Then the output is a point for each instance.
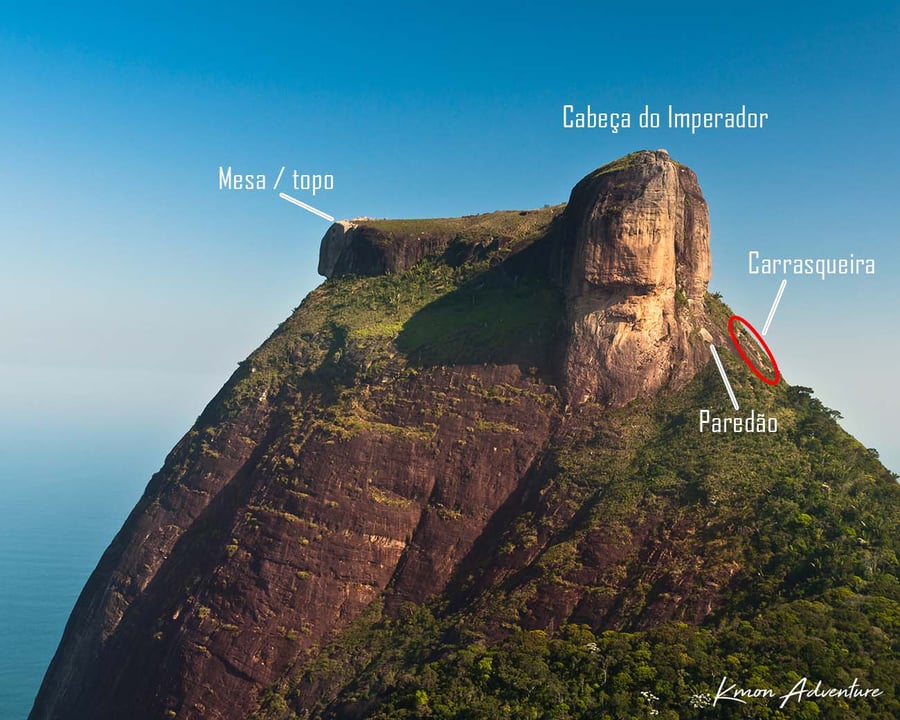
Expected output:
(62, 499)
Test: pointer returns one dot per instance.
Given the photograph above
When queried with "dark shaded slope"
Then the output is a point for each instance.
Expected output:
(641, 556)
(405, 501)
(328, 467)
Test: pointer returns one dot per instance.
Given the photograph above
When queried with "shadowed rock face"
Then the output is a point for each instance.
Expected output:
(640, 263)
(352, 248)
(318, 480)
(634, 248)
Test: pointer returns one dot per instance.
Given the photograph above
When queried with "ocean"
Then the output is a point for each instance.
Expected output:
(64, 494)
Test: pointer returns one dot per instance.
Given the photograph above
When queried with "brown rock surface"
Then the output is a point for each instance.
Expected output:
(636, 279)
(326, 474)
(362, 248)
(353, 248)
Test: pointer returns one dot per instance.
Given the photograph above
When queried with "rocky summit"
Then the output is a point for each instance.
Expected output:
(465, 478)
(638, 263)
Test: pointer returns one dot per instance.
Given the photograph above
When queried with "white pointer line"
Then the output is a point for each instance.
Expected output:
(712, 349)
(774, 307)
(302, 204)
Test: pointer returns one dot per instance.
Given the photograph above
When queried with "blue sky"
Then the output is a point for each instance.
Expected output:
(131, 286)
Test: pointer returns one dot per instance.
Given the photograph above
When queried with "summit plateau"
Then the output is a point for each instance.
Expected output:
(464, 479)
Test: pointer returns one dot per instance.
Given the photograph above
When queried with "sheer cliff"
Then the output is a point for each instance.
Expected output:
(478, 429)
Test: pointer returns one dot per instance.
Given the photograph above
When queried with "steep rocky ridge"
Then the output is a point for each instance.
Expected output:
(472, 416)
(374, 247)
(636, 279)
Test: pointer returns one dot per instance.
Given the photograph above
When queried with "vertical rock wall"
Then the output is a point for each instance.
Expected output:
(638, 230)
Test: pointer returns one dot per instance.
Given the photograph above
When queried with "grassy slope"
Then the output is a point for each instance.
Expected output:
(517, 224)
(430, 314)
(810, 515)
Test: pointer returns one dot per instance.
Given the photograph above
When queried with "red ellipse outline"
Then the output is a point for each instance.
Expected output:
(762, 342)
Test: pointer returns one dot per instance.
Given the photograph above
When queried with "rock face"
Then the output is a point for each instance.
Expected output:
(337, 467)
(350, 248)
(636, 279)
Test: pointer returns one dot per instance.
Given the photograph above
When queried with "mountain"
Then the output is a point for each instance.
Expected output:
(466, 479)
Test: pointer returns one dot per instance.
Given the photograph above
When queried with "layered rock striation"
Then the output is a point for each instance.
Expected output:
(637, 231)
(358, 457)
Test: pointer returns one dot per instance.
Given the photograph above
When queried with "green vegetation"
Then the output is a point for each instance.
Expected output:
(763, 558)
(576, 673)
(488, 319)
(623, 163)
(355, 332)
(790, 539)
(516, 224)
(351, 329)
(386, 498)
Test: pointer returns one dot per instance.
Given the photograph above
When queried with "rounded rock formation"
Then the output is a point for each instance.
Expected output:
(638, 230)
